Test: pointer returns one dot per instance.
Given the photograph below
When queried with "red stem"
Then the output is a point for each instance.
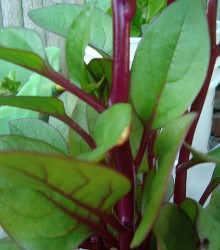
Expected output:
(126, 206)
(170, 1)
(181, 178)
(66, 84)
(79, 130)
(123, 12)
(211, 187)
(143, 145)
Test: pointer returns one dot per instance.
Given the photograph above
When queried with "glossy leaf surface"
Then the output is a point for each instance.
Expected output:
(166, 148)
(71, 189)
(174, 66)
(58, 19)
(39, 130)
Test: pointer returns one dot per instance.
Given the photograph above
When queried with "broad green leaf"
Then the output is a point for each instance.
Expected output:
(21, 143)
(65, 176)
(174, 66)
(78, 189)
(112, 128)
(16, 46)
(154, 7)
(76, 45)
(47, 105)
(166, 148)
(39, 130)
(58, 19)
(8, 244)
(34, 221)
(175, 230)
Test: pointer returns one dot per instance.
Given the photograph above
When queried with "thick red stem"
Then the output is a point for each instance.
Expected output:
(123, 12)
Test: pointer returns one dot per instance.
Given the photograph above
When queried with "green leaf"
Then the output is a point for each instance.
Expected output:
(26, 220)
(16, 46)
(191, 209)
(47, 105)
(208, 223)
(39, 130)
(135, 139)
(154, 7)
(102, 5)
(166, 148)
(169, 85)
(78, 111)
(212, 156)
(76, 144)
(112, 128)
(175, 230)
(58, 19)
(76, 45)
(21, 143)
(8, 244)
(60, 187)
(100, 73)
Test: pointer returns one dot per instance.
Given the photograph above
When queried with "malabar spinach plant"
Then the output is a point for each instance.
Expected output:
(98, 174)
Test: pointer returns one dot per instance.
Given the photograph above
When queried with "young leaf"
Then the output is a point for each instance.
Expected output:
(175, 230)
(78, 189)
(21, 143)
(174, 65)
(16, 46)
(166, 147)
(112, 128)
(58, 19)
(76, 45)
(39, 130)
